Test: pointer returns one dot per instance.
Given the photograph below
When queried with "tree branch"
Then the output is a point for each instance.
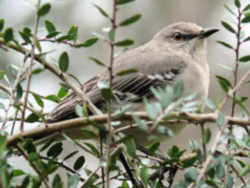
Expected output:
(43, 131)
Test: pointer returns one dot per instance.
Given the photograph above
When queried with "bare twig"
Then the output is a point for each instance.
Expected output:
(204, 146)
(110, 69)
(209, 159)
(65, 78)
(238, 175)
(29, 73)
(237, 56)
(42, 131)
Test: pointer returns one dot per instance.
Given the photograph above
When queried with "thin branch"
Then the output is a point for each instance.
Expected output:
(42, 131)
(5, 89)
(204, 146)
(90, 176)
(62, 165)
(110, 69)
(29, 73)
(237, 56)
(238, 175)
(209, 159)
(33, 166)
(64, 77)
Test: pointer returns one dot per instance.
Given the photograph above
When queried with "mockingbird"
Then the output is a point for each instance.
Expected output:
(176, 53)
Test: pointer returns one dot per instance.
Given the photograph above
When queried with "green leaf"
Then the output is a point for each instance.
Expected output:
(55, 150)
(78, 111)
(79, 163)
(19, 92)
(126, 72)
(124, 184)
(206, 136)
(38, 100)
(62, 38)
(44, 9)
(63, 91)
(126, 42)
(189, 162)
(32, 118)
(57, 182)
(144, 175)
(103, 12)
(37, 71)
(8, 35)
(220, 119)
(240, 102)
(191, 174)
(88, 134)
(178, 89)
(210, 104)
(246, 39)
(38, 45)
(93, 149)
(29, 146)
(64, 62)
(225, 44)
(247, 7)
(25, 36)
(246, 18)
(2, 73)
(97, 61)
(228, 26)
(244, 171)
(53, 98)
(122, 2)
(175, 152)
(165, 131)
(111, 34)
(3, 141)
(52, 34)
(153, 109)
(87, 43)
(49, 26)
(1, 24)
(73, 180)
(107, 94)
(229, 181)
(47, 144)
(245, 58)
(237, 3)
(141, 123)
(229, 10)
(130, 20)
(73, 33)
(220, 170)
(224, 83)
(17, 172)
(153, 148)
(130, 145)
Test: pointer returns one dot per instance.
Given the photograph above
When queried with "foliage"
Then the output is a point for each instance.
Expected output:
(220, 165)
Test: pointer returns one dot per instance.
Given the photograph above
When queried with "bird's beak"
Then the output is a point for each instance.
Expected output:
(207, 32)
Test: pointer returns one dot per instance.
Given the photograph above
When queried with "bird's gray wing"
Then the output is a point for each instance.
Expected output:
(153, 70)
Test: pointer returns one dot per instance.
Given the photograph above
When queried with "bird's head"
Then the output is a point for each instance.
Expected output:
(184, 37)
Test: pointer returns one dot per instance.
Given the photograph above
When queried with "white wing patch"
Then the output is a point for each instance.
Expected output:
(168, 76)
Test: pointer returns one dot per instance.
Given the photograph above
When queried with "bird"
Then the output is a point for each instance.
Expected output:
(176, 53)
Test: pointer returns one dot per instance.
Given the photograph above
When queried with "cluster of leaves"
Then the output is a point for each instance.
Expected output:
(225, 170)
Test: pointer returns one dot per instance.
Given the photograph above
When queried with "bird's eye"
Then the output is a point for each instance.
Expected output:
(177, 36)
